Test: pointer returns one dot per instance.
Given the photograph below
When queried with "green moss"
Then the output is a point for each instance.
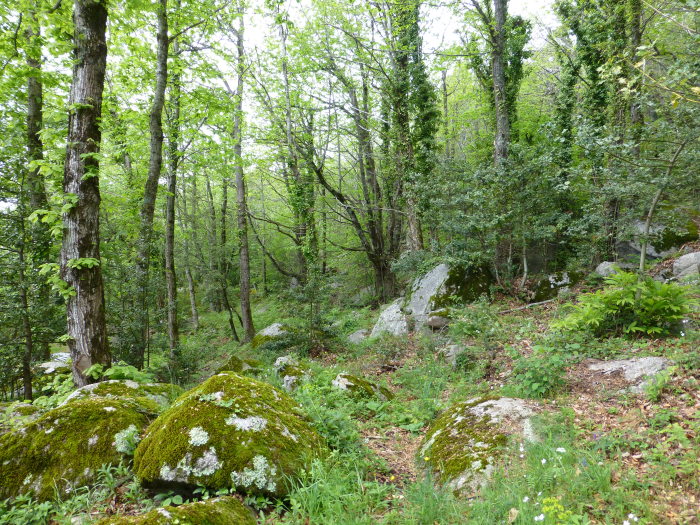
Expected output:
(464, 285)
(230, 431)
(460, 446)
(162, 394)
(241, 366)
(361, 387)
(216, 511)
(65, 446)
(17, 414)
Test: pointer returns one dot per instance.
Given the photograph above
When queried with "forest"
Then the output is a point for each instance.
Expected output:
(349, 262)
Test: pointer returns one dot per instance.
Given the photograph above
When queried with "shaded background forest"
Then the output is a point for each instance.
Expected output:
(323, 140)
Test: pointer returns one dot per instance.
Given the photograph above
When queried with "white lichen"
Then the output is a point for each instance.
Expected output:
(260, 475)
(198, 436)
(125, 441)
(93, 440)
(109, 409)
(207, 464)
(247, 424)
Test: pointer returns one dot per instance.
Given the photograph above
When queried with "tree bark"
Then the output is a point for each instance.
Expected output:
(88, 343)
(150, 193)
(41, 237)
(173, 162)
(502, 139)
(242, 208)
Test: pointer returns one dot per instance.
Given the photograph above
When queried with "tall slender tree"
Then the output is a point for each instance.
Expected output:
(80, 256)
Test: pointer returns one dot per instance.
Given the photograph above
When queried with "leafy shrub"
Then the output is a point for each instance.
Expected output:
(540, 374)
(630, 305)
(119, 371)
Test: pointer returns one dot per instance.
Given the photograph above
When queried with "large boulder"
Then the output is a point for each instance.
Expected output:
(687, 266)
(270, 333)
(423, 294)
(163, 394)
(361, 387)
(636, 371)
(463, 445)
(433, 291)
(215, 511)
(391, 321)
(64, 448)
(229, 432)
(358, 336)
(241, 366)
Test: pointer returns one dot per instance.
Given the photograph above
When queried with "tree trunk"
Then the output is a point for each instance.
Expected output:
(154, 171)
(502, 139)
(26, 320)
(242, 209)
(87, 331)
(174, 159)
(635, 35)
(41, 237)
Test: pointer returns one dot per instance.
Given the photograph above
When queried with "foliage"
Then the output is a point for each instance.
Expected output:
(119, 370)
(631, 305)
(541, 374)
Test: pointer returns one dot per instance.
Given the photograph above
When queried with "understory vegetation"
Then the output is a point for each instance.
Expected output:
(348, 262)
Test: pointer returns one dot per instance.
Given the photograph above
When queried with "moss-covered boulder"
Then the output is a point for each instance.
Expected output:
(241, 366)
(17, 414)
(230, 431)
(270, 333)
(463, 444)
(65, 446)
(361, 387)
(161, 393)
(215, 511)
(290, 371)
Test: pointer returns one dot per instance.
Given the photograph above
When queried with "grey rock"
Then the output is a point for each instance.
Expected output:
(358, 336)
(274, 330)
(392, 321)
(687, 265)
(437, 322)
(638, 370)
(451, 353)
(423, 291)
(606, 269)
(61, 357)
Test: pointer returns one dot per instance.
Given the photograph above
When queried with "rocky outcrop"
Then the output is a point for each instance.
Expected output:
(462, 445)
(64, 448)
(270, 333)
(358, 336)
(687, 266)
(229, 432)
(636, 371)
(361, 387)
(392, 320)
(214, 511)
(161, 393)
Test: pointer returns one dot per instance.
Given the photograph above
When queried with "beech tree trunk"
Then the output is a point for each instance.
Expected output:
(242, 209)
(150, 193)
(173, 162)
(502, 139)
(41, 237)
(87, 331)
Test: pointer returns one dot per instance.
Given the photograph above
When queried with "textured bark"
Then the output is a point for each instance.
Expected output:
(150, 193)
(87, 332)
(173, 162)
(242, 208)
(502, 139)
(26, 322)
(635, 40)
(40, 235)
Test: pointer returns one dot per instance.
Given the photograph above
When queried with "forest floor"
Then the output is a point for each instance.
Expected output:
(628, 458)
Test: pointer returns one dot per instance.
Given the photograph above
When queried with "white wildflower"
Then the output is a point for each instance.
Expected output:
(526, 499)
(539, 518)
(544, 461)
(561, 450)
(632, 517)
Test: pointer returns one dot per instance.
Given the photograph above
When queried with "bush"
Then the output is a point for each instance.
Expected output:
(630, 305)
(540, 374)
